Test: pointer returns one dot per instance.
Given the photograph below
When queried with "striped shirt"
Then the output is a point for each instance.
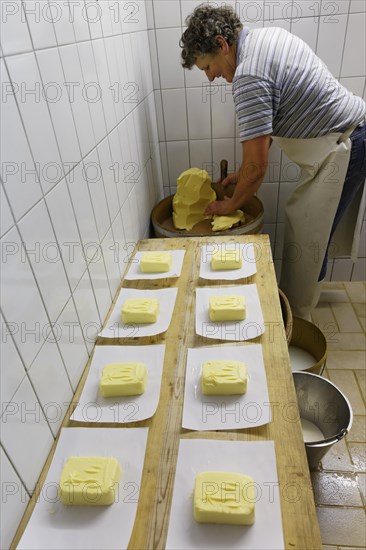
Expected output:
(281, 87)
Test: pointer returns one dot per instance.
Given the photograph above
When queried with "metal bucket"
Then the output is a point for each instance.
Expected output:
(308, 337)
(323, 404)
(162, 221)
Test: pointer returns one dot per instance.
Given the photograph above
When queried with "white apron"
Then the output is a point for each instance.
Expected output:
(310, 212)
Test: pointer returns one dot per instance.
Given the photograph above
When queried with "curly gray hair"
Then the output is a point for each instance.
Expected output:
(204, 25)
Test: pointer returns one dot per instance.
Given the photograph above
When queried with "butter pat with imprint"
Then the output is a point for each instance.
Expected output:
(89, 481)
(156, 262)
(224, 378)
(123, 379)
(140, 310)
(226, 259)
(224, 497)
(227, 307)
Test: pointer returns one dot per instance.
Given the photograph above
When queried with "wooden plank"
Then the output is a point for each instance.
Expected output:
(297, 504)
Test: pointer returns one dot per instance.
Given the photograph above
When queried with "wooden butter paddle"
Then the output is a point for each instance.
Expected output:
(217, 186)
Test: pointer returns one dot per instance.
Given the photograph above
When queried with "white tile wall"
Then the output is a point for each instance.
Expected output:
(167, 14)
(39, 18)
(175, 120)
(41, 247)
(171, 74)
(21, 182)
(59, 105)
(70, 339)
(200, 152)
(14, 501)
(24, 426)
(22, 305)
(91, 89)
(12, 371)
(199, 116)
(56, 397)
(306, 28)
(354, 84)
(60, 209)
(222, 112)
(82, 113)
(6, 217)
(75, 89)
(125, 102)
(15, 36)
(331, 39)
(80, 22)
(23, 70)
(354, 56)
(62, 20)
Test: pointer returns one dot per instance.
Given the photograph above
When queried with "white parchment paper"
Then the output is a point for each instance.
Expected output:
(116, 329)
(226, 412)
(93, 407)
(254, 458)
(251, 327)
(135, 272)
(54, 526)
(247, 254)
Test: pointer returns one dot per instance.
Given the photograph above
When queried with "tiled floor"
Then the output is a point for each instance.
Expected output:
(340, 482)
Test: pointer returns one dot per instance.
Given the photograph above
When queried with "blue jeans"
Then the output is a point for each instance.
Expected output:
(355, 179)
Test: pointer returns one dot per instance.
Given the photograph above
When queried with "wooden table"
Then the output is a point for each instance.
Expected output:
(300, 525)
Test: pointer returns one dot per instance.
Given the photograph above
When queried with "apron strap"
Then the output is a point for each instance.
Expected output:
(342, 138)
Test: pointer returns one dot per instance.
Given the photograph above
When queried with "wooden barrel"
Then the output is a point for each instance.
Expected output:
(162, 221)
(309, 337)
(286, 315)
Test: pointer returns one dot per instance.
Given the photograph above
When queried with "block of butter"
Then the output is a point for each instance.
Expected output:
(220, 223)
(226, 259)
(140, 310)
(224, 378)
(120, 379)
(89, 481)
(156, 262)
(228, 307)
(224, 497)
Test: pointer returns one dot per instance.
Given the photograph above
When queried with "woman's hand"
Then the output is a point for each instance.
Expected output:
(220, 208)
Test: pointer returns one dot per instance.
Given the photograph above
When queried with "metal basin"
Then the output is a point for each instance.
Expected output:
(323, 404)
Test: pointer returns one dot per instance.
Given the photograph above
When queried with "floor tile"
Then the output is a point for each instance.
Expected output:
(346, 382)
(356, 291)
(339, 489)
(332, 285)
(325, 373)
(358, 455)
(360, 309)
(342, 525)
(361, 379)
(357, 433)
(334, 295)
(361, 478)
(338, 458)
(346, 317)
(346, 360)
(362, 322)
(323, 317)
(346, 341)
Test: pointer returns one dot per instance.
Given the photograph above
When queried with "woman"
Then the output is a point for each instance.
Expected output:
(284, 93)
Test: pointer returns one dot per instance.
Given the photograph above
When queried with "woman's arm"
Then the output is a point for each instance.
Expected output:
(250, 176)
